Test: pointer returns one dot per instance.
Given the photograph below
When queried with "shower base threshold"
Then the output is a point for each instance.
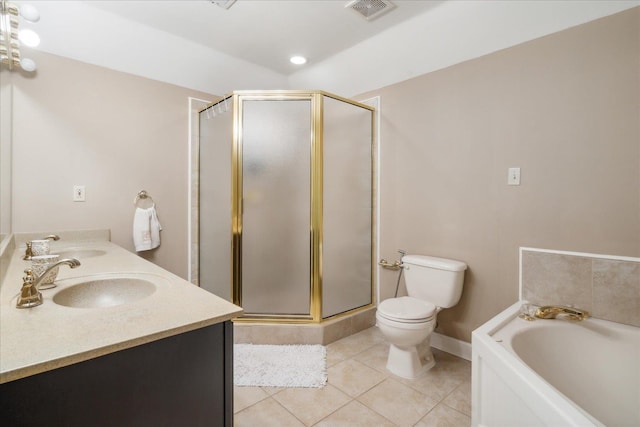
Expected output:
(323, 333)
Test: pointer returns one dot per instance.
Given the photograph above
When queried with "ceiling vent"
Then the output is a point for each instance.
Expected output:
(370, 9)
(225, 4)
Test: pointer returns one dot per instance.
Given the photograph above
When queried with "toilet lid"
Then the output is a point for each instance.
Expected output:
(406, 308)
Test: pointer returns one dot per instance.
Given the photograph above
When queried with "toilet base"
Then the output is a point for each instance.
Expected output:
(408, 362)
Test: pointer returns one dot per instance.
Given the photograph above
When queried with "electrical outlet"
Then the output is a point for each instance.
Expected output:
(514, 176)
(79, 193)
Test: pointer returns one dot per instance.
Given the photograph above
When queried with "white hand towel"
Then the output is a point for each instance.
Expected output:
(155, 229)
(146, 229)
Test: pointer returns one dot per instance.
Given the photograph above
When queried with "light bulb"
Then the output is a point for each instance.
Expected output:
(29, 37)
(30, 13)
(298, 60)
(28, 64)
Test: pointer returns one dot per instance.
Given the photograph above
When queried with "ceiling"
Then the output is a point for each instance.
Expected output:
(267, 33)
(199, 45)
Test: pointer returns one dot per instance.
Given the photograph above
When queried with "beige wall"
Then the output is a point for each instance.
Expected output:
(115, 133)
(563, 108)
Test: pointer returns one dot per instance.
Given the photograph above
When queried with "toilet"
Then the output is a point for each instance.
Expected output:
(407, 322)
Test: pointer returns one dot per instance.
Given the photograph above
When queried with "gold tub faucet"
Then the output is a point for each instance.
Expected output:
(552, 311)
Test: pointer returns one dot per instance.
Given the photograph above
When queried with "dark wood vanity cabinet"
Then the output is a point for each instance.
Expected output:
(183, 380)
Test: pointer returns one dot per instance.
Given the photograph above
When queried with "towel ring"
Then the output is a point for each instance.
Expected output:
(143, 200)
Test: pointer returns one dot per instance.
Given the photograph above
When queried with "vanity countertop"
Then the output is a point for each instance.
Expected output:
(50, 336)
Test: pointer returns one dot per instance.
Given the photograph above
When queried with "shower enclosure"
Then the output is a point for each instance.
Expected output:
(286, 204)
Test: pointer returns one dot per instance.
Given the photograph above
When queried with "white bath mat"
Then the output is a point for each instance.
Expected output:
(280, 365)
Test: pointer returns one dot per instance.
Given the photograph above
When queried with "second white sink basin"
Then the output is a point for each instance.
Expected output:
(104, 292)
(80, 254)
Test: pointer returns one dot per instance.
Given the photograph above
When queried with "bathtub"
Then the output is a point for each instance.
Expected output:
(555, 372)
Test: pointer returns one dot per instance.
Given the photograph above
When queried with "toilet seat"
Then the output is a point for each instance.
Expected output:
(406, 310)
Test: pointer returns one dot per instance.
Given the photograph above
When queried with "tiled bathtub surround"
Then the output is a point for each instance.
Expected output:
(606, 286)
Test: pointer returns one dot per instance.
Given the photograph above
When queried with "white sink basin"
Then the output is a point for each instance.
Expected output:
(104, 292)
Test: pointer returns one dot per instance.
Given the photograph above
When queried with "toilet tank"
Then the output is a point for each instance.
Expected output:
(437, 280)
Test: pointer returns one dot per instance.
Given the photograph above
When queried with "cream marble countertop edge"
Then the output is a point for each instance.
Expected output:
(51, 336)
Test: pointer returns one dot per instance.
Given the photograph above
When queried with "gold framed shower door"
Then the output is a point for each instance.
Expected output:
(238, 100)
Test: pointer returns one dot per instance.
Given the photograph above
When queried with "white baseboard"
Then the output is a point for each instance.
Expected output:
(451, 345)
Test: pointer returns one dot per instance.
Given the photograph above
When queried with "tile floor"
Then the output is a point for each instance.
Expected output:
(360, 392)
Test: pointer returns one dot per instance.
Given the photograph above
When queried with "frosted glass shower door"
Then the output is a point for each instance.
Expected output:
(215, 202)
(347, 175)
(276, 250)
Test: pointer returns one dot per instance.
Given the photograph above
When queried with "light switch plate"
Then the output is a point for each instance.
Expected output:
(514, 176)
(79, 194)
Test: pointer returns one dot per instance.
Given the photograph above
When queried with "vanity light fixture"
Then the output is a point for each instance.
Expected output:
(29, 37)
(11, 36)
(298, 60)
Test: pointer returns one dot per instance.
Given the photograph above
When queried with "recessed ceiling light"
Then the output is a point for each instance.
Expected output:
(298, 60)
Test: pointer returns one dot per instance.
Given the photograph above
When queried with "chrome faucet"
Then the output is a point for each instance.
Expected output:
(30, 296)
(552, 311)
(28, 253)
